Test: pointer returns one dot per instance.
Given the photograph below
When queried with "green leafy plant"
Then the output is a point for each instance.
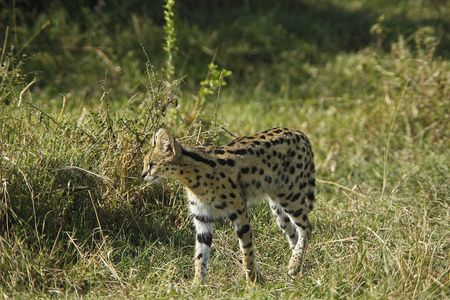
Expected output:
(380, 31)
(214, 81)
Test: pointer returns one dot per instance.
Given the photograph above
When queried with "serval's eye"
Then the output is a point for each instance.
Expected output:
(152, 165)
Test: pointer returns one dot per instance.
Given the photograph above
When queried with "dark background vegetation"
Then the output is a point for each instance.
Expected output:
(251, 38)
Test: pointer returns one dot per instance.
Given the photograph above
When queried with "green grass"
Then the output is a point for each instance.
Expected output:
(76, 220)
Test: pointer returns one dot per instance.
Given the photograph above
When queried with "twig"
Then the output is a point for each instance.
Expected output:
(4, 45)
(217, 101)
(149, 67)
(96, 215)
(46, 24)
(353, 190)
(84, 170)
(188, 137)
(24, 90)
(338, 241)
(63, 107)
(229, 132)
(40, 110)
(76, 247)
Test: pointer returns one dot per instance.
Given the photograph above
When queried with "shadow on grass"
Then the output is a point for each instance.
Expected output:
(275, 27)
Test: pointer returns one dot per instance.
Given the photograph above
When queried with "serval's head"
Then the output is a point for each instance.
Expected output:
(161, 160)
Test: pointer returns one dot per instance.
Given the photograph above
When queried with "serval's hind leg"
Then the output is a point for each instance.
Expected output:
(241, 221)
(284, 222)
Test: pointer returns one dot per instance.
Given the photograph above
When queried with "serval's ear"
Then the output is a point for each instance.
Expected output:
(153, 142)
(165, 142)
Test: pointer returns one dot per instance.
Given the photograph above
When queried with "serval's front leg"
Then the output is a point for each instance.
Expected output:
(202, 249)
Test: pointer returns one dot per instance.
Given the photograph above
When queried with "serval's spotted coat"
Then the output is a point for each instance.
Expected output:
(223, 182)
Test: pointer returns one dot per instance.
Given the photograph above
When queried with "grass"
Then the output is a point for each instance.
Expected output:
(76, 220)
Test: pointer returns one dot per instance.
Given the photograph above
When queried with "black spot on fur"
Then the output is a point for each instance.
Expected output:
(233, 185)
(298, 213)
(230, 162)
(300, 225)
(199, 158)
(221, 205)
(204, 218)
(248, 245)
(205, 238)
(295, 197)
(243, 230)
(239, 151)
(221, 161)
(196, 185)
